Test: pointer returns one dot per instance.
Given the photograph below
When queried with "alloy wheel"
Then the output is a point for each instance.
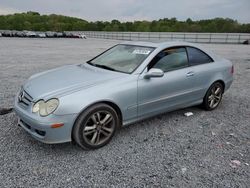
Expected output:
(98, 128)
(215, 96)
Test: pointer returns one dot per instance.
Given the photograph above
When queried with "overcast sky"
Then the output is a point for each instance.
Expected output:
(130, 10)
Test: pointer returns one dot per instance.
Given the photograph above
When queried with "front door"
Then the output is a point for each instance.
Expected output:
(174, 89)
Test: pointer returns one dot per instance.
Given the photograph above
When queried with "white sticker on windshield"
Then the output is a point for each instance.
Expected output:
(141, 51)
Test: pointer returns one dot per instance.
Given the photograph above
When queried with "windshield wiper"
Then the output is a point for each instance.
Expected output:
(101, 66)
(105, 67)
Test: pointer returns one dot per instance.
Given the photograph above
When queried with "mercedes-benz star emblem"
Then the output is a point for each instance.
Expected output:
(21, 95)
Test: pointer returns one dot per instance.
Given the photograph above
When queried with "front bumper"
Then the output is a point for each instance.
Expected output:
(40, 127)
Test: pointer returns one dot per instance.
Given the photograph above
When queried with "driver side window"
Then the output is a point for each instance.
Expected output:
(170, 59)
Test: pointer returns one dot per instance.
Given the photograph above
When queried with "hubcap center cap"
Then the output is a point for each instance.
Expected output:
(99, 126)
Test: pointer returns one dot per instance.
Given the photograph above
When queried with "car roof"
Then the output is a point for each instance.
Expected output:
(168, 44)
(160, 44)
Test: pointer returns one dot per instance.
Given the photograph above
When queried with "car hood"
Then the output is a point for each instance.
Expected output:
(67, 79)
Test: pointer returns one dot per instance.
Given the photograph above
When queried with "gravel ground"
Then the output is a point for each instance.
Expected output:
(170, 150)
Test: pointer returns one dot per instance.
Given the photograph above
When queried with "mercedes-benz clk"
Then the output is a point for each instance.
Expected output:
(131, 81)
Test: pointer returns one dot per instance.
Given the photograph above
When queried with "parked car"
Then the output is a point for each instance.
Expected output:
(82, 36)
(30, 34)
(127, 83)
(6, 33)
(13, 33)
(59, 35)
(50, 34)
(67, 34)
(20, 34)
(246, 41)
(78, 35)
(41, 35)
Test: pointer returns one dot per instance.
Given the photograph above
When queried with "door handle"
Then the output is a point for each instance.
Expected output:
(191, 73)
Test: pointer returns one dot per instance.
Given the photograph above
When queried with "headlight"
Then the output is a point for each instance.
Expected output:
(45, 108)
(36, 107)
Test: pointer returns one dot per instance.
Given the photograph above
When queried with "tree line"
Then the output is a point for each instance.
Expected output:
(36, 22)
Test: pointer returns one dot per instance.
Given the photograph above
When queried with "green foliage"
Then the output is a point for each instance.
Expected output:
(35, 21)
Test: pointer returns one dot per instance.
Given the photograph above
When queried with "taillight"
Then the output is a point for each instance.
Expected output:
(232, 69)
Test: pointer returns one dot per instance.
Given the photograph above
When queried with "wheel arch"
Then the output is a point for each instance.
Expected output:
(204, 103)
(110, 103)
(220, 81)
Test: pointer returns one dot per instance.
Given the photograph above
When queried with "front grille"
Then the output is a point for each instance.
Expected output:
(24, 98)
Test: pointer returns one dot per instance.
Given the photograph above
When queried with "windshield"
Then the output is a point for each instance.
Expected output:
(122, 58)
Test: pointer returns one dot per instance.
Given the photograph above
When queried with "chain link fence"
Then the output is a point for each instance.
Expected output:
(227, 38)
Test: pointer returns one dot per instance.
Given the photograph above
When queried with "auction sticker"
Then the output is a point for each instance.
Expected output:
(141, 51)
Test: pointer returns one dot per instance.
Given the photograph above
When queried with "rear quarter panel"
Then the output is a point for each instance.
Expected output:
(207, 74)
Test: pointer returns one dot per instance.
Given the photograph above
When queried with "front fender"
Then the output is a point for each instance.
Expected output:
(123, 94)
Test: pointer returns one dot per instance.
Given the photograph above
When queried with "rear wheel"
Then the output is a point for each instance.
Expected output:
(96, 126)
(213, 96)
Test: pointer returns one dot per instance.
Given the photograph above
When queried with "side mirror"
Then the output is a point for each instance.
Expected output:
(154, 72)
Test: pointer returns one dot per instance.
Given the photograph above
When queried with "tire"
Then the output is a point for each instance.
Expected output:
(213, 96)
(96, 126)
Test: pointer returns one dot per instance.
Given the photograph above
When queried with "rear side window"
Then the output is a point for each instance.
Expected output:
(170, 59)
(197, 57)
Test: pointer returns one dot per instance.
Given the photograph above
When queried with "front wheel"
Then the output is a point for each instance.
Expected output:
(213, 96)
(96, 126)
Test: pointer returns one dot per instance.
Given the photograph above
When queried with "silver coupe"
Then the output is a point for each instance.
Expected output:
(131, 81)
